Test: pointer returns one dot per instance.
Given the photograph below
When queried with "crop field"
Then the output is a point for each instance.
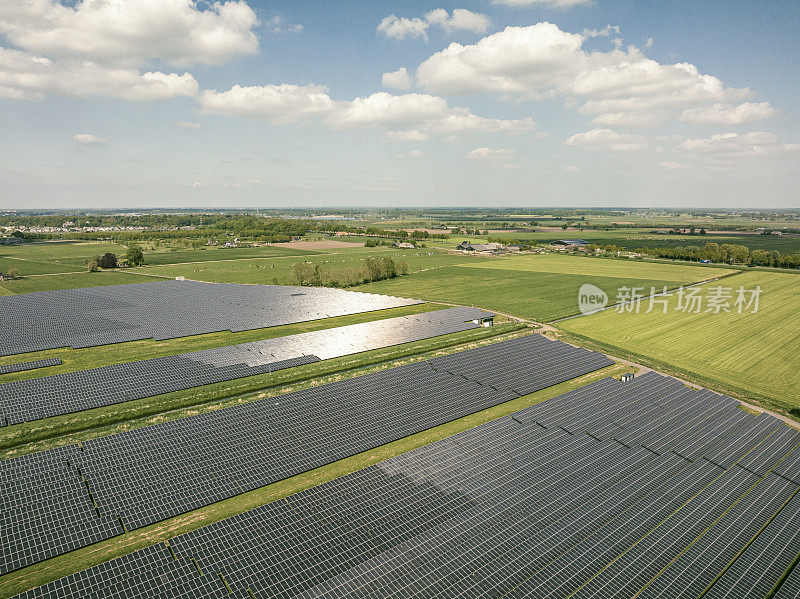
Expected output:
(541, 288)
(268, 271)
(631, 239)
(752, 354)
(211, 253)
(70, 281)
(71, 253)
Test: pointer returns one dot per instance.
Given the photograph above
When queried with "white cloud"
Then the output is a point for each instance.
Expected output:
(283, 103)
(410, 135)
(88, 138)
(460, 20)
(419, 116)
(542, 60)
(720, 114)
(608, 139)
(188, 125)
(628, 119)
(498, 159)
(412, 155)
(485, 153)
(278, 25)
(554, 3)
(604, 32)
(399, 28)
(398, 79)
(120, 33)
(25, 76)
(736, 145)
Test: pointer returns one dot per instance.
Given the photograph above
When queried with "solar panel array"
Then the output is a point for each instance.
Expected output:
(32, 365)
(166, 310)
(612, 490)
(33, 399)
(70, 497)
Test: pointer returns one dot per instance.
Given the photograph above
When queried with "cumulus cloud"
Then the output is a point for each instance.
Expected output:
(279, 104)
(405, 117)
(542, 60)
(24, 76)
(608, 139)
(485, 153)
(399, 28)
(179, 32)
(398, 79)
(277, 24)
(460, 20)
(628, 119)
(499, 159)
(754, 143)
(88, 138)
(108, 47)
(720, 114)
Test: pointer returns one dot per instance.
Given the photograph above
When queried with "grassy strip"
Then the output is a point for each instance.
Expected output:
(130, 351)
(70, 428)
(86, 557)
(727, 388)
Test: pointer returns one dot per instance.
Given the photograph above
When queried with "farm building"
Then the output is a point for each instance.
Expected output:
(480, 247)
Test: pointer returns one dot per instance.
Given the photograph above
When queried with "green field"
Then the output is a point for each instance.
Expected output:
(211, 253)
(266, 271)
(539, 287)
(71, 253)
(751, 355)
(71, 281)
(631, 239)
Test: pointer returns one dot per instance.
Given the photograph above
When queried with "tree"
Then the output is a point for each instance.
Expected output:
(564, 226)
(107, 260)
(92, 265)
(135, 255)
(13, 272)
(18, 234)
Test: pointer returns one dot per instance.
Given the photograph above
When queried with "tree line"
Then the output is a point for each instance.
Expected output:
(725, 253)
(374, 269)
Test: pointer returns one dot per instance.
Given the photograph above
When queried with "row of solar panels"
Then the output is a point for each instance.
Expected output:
(32, 365)
(33, 399)
(61, 499)
(576, 497)
(166, 310)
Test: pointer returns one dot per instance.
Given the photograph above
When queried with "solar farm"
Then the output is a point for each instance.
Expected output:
(554, 478)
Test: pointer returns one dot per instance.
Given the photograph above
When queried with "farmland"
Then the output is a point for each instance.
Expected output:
(541, 288)
(752, 354)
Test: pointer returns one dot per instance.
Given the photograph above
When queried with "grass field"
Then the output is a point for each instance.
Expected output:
(71, 281)
(73, 253)
(752, 355)
(34, 267)
(266, 271)
(630, 239)
(211, 253)
(539, 287)
(75, 561)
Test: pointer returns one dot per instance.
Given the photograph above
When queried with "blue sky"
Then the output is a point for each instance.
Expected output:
(167, 103)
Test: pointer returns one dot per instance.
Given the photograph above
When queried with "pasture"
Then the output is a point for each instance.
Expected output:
(73, 280)
(279, 270)
(751, 355)
(539, 287)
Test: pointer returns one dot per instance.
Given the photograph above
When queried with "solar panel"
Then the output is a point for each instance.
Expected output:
(166, 310)
(149, 474)
(573, 495)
